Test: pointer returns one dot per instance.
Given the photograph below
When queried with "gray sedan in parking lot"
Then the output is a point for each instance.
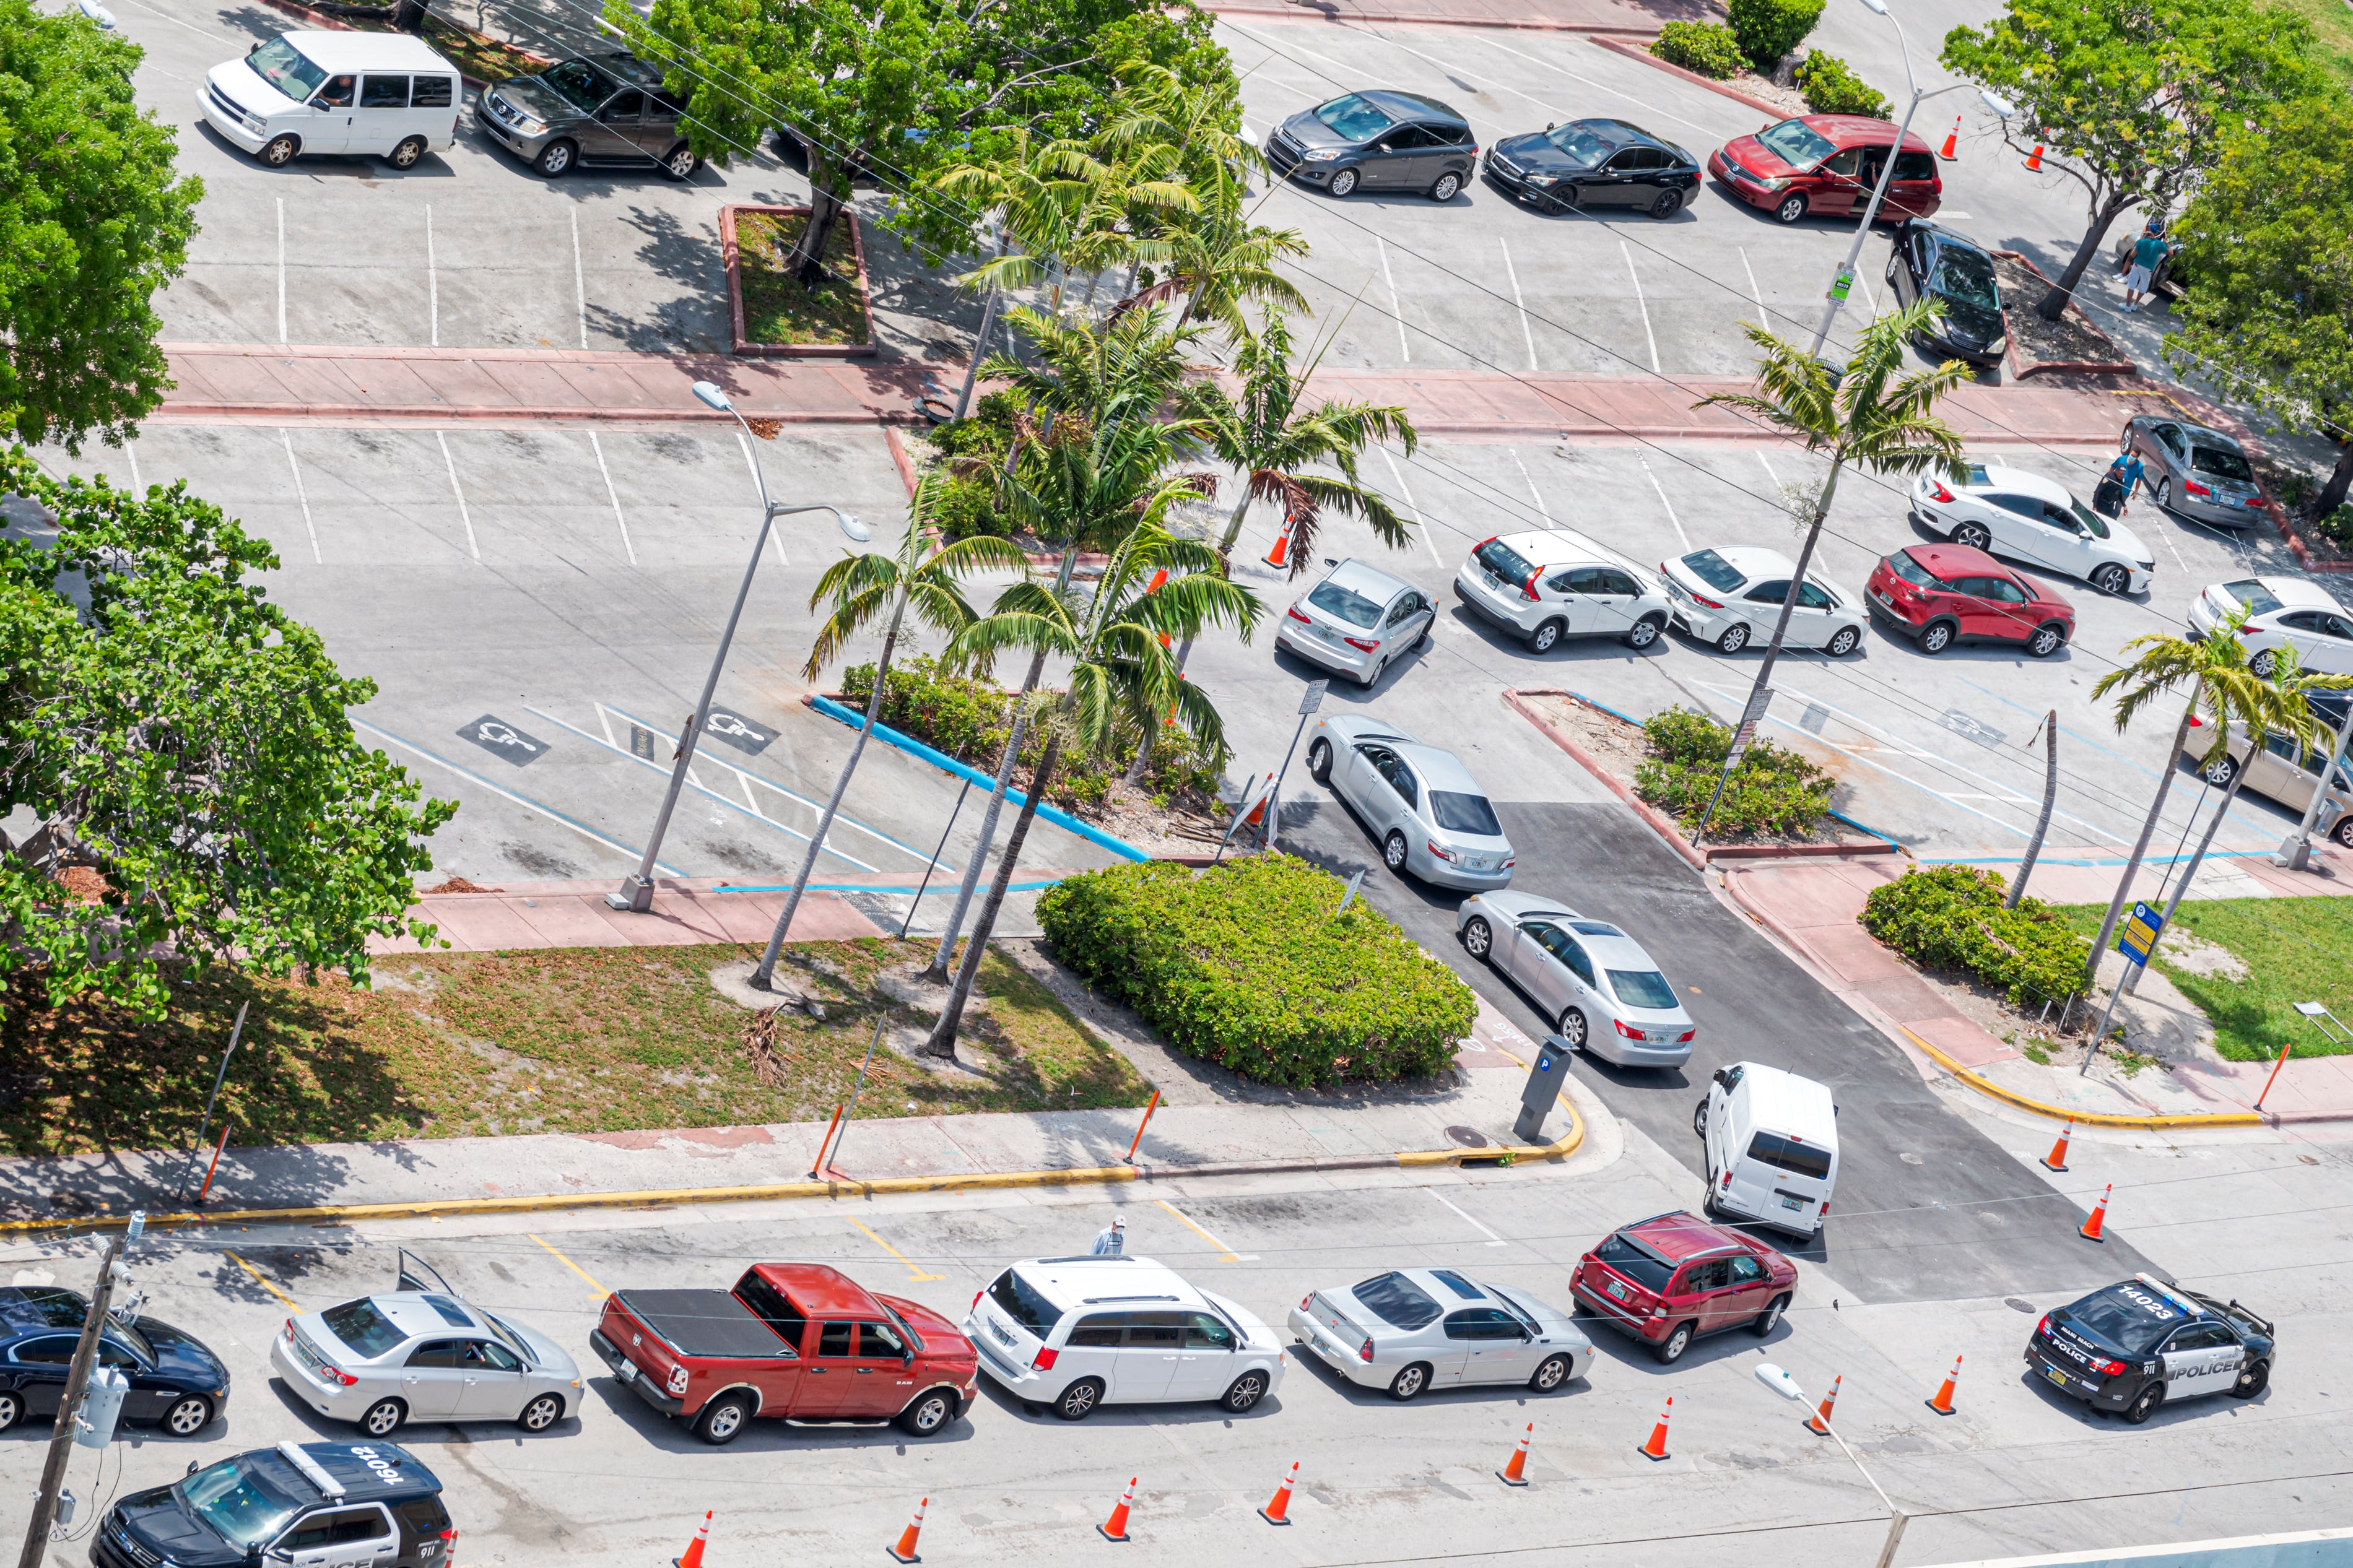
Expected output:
(1416, 1329)
(2195, 471)
(1357, 619)
(1432, 819)
(1604, 993)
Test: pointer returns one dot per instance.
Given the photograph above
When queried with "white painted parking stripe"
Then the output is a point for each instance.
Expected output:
(1665, 502)
(615, 496)
(1763, 319)
(1531, 479)
(281, 270)
(1640, 305)
(302, 496)
(432, 280)
(458, 490)
(1496, 1241)
(579, 280)
(130, 450)
(777, 535)
(1396, 308)
(1514, 274)
(1406, 490)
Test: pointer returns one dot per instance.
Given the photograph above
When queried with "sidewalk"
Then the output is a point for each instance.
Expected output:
(573, 914)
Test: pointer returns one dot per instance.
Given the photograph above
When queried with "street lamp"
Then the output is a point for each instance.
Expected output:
(1845, 279)
(635, 892)
(1782, 1383)
(2295, 854)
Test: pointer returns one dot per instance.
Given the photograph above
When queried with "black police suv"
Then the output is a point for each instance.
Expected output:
(175, 1380)
(2128, 1347)
(1928, 261)
(313, 1505)
(1594, 164)
(1376, 141)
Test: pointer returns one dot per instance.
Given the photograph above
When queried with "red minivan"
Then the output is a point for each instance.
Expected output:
(1827, 164)
(1674, 1276)
(1938, 595)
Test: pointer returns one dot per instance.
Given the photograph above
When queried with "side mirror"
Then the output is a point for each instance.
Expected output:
(1549, 125)
(906, 1358)
(1719, 1075)
(191, 1469)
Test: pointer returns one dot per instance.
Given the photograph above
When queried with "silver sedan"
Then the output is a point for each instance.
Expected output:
(1603, 992)
(1429, 815)
(1416, 1329)
(1357, 620)
(423, 1355)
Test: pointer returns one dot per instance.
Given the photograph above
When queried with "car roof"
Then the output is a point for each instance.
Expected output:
(1859, 130)
(1549, 547)
(1948, 561)
(368, 51)
(1635, 136)
(1351, 573)
(1443, 1287)
(1071, 1282)
(819, 1291)
(1624, 950)
(2018, 481)
(1523, 906)
(1784, 1103)
(2126, 1293)
(1945, 236)
(1356, 727)
(1753, 561)
(1413, 105)
(2206, 435)
(1440, 769)
(2296, 594)
(1677, 1236)
(371, 1471)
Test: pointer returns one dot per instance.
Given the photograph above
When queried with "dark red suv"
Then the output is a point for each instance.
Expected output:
(1938, 595)
(1828, 165)
(1674, 1276)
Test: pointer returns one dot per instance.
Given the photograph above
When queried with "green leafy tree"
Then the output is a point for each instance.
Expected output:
(2129, 96)
(92, 222)
(184, 741)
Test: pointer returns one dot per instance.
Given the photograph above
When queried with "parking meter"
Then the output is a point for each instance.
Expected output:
(1544, 1080)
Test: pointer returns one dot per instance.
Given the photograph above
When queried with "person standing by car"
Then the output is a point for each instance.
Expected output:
(2148, 251)
(2116, 486)
(1111, 1240)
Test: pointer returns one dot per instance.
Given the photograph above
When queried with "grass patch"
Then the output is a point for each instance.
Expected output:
(776, 309)
(2332, 32)
(2294, 950)
(562, 1040)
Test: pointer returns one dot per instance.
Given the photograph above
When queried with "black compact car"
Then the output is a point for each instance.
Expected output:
(2128, 1347)
(1931, 262)
(593, 108)
(175, 1380)
(1376, 141)
(1593, 163)
(315, 1505)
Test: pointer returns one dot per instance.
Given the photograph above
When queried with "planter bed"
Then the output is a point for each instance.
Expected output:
(773, 315)
(2038, 347)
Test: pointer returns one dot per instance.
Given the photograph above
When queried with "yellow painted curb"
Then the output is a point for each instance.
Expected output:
(2084, 1118)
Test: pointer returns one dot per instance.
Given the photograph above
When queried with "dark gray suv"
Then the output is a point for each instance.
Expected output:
(1376, 141)
(595, 109)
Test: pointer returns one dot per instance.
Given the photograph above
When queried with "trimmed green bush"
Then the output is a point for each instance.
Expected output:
(1244, 964)
(1770, 29)
(1951, 916)
(1832, 88)
(1706, 47)
(1774, 791)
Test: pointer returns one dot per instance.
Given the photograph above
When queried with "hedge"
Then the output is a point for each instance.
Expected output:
(1951, 916)
(1775, 790)
(1831, 86)
(1706, 47)
(1770, 30)
(1245, 964)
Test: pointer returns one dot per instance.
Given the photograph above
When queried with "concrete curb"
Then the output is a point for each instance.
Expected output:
(2087, 1118)
(1617, 48)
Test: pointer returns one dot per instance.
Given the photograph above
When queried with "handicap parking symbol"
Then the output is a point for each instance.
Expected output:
(501, 739)
(738, 731)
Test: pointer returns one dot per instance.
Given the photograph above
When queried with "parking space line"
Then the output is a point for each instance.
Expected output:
(1665, 502)
(130, 450)
(458, 490)
(1763, 318)
(915, 1272)
(600, 1290)
(281, 270)
(776, 535)
(1651, 109)
(263, 1280)
(1643, 307)
(432, 280)
(1406, 490)
(1226, 1254)
(1474, 1224)
(301, 495)
(1514, 274)
(1396, 307)
(579, 282)
(615, 496)
(1531, 479)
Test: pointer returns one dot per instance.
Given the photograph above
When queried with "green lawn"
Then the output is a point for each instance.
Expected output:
(2332, 25)
(2295, 950)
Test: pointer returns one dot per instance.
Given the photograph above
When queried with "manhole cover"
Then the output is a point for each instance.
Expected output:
(1470, 1138)
(2015, 1305)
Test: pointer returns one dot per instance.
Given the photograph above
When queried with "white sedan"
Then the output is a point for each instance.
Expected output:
(1733, 598)
(2009, 511)
(2281, 612)
(1416, 1329)
(423, 1355)
(1604, 993)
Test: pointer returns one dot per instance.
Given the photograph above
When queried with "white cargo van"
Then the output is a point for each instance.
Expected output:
(382, 94)
(1772, 1146)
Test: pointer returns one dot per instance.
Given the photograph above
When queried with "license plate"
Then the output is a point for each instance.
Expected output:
(997, 1332)
(626, 1372)
(1793, 1203)
(1617, 1289)
(1884, 598)
(2055, 1376)
(1477, 863)
(1494, 581)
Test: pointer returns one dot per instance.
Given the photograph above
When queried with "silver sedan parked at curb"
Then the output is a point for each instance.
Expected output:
(1431, 817)
(1603, 992)
(1416, 1328)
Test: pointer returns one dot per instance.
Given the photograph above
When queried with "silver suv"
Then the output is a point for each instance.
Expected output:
(594, 108)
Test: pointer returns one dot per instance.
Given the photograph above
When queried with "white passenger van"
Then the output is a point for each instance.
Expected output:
(385, 94)
(1772, 1147)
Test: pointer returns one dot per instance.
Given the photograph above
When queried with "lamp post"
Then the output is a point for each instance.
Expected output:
(2295, 854)
(635, 892)
(1782, 1383)
(1845, 279)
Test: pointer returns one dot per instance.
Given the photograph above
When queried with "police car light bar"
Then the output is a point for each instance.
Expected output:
(311, 1470)
(2170, 1294)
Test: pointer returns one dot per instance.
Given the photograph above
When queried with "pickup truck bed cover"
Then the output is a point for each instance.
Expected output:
(711, 1323)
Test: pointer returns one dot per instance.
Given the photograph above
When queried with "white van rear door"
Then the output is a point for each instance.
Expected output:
(383, 118)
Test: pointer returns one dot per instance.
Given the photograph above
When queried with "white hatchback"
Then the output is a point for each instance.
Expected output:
(1733, 598)
(2281, 612)
(1558, 584)
(387, 95)
(2009, 511)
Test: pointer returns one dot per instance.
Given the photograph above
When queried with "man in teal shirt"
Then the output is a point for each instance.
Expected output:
(2148, 250)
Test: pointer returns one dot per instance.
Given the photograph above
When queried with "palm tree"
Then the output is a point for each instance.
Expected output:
(921, 572)
(1121, 672)
(1866, 416)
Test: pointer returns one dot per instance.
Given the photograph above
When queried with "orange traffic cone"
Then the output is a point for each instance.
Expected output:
(1274, 1512)
(1160, 578)
(693, 1558)
(1656, 1448)
(2091, 1229)
(1281, 553)
(1943, 1402)
(1514, 1470)
(1950, 151)
(2034, 160)
(2057, 1159)
(1115, 1528)
(905, 1551)
(1818, 1423)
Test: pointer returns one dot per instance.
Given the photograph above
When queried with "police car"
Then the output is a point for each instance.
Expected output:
(313, 1505)
(2126, 1348)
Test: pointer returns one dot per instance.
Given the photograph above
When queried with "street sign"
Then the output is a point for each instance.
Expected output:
(1312, 698)
(2138, 939)
(501, 739)
(1757, 702)
(1843, 284)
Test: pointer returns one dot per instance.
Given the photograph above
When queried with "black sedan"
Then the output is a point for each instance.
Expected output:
(175, 1380)
(1376, 141)
(2127, 1347)
(1594, 164)
(1934, 263)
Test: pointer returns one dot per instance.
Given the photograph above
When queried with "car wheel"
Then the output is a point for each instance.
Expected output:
(1792, 208)
(280, 150)
(1771, 1318)
(1645, 632)
(383, 1419)
(1344, 183)
(2253, 1378)
(1548, 637)
(2343, 832)
(723, 1420)
(1479, 937)
(189, 1415)
(1448, 185)
(2264, 663)
(1670, 1349)
(2046, 641)
(2220, 770)
(1409, 1381)
(2111, 579)
(1572, 1027)
(928, 1414)
(1843, 643)
(1551, 1375)
(1372, 676)
(1247, 1390)
(11, 1409)
(540, 1414)
(1936, 638)
(2142, 1408)
(1975, 535)
(1079, 1400)
(681, 162)
(406, 152)
(1735, 637)
(554, 159)
(1891, 269)
(1393, 852)
(1668, 205)
(1319, 761)
(1699, 1117)
(2165, 494)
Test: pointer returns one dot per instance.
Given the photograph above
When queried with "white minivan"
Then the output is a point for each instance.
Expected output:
(1077, 1333)
(383, 94)
(1772, 1147)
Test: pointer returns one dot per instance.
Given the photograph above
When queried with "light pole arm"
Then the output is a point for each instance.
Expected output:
(1889, 1507)
(1878, 196)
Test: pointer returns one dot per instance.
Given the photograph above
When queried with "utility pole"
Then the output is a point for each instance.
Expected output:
(53, 1472)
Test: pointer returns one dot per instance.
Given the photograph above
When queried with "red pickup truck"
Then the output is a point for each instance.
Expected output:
(793, 1339)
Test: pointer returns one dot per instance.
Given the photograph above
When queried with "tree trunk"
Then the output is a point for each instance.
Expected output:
(944, 1033)
(2131, 974)
(938, 968)
(1143, 754)
(807, 262)
(2054, 302)
(2043, 823)
(2132, 867)
(2340, 480)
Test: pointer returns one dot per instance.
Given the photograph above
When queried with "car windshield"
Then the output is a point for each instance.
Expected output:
(119, 1329)
(1345, 604)
(1713, 570)
(2250, 591)
(1024, 1303)
(579, 84)
(2088, 518)
(1966, 275)
(1580, 145)
(359, 1325)
(514, 1341)
(2122, 1323)
(1642, 988)
(287, 68)
(1464, 814)
(1356, 117)
(2222, 465)
(241, 1505)
(1636, 1262)
(1397, 1302)
(1912, 571)
(1797, 144)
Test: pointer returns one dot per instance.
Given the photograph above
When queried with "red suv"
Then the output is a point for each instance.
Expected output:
(1828, 164)
(1938, 595)
(1674, 1276)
